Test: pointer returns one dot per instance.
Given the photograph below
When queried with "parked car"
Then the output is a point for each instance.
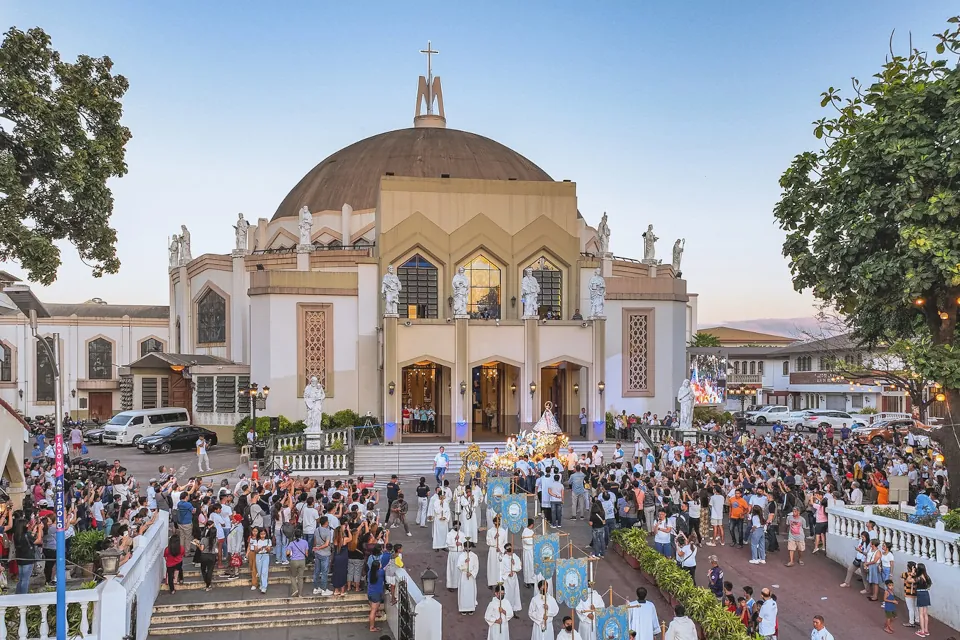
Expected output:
(826, 417)
(768, 414)
(94, 436)
(129, 426)
(794, 419)
(175, 437)
(882, 431)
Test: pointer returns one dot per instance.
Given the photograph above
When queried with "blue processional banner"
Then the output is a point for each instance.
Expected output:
(514, 512)
(612, 624)
(571, 582)
(546, 550)
(497, 488)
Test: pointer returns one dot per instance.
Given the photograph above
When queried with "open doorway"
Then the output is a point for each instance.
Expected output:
(422, 398)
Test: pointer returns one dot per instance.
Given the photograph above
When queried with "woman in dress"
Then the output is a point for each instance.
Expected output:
(872, 565)
(340, 559)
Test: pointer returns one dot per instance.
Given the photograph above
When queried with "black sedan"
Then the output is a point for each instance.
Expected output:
(175, 437)
(93, 436)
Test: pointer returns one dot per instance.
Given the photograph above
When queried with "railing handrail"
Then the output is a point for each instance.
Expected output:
(840, 509)
(41, 598)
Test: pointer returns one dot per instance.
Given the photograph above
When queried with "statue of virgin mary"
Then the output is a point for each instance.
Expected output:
(547, 422)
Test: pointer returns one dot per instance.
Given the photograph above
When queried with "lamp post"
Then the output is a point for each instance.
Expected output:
(30, 306)
(258, 400)
(743, 391)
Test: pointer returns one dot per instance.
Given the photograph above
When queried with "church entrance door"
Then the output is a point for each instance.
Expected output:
(181, 393)
(493, 404)
(101, 405)
(561, 384)
(422, 392)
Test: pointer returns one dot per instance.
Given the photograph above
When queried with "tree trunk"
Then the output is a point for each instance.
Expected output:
(947, 437)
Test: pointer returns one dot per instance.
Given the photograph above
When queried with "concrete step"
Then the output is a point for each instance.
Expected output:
(299, 619)
(226, 583)
(250, 613)
(310, 600)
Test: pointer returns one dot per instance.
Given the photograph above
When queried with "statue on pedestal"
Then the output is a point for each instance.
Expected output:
(185, 255)
(313, 397)
(242, 229)
(603, 235)
(685, 398)
(174, 251)
(461, 289)
(305, 226)
(598, 291)
(390, 290)
(649, 240)
(530, 292)
(678, 253)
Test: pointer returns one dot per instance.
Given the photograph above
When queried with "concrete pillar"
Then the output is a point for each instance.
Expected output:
(596, 410)
(239, 319)
(392, 411)
(186, 315)
(346, 215)
(462, 411)
(531, 407)
(303, 257)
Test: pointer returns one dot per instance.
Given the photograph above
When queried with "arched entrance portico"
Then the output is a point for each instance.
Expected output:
(561, 383)
(493, 405)
(424, 399)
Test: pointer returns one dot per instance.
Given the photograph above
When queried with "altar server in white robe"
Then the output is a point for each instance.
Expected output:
(496, 541)
(526, 538)
(643, 616)
(458, 493)
(587, 611)
(441, 522)
(567, 632)
(510, 574)
(455, 540)
(468, 566)
(498, 615)
(542, 610)
(539, 576)
(470, 514)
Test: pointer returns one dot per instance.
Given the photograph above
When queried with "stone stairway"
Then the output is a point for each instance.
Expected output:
(232, 606)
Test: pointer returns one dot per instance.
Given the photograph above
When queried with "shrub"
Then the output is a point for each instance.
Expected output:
(700, 603)
(346, 418)
(951, 520)
(868, 411)
(83, 548)
(263, 428)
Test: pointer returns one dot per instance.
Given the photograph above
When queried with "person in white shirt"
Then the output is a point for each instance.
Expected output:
(568, 632)
(716, 517)
(819, 630)
(510, 575)
(202, 454)
(498, 615)
(455, 546)
(587, 610)
(618, 454)
(681, 627)
(768, 615)
(440, 463)
(542, 610)
(497, 540)
(468, 565)
(856, 494)
(526, 538)
(643, 616)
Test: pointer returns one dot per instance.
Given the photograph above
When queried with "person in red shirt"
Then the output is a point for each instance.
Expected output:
(173, 556)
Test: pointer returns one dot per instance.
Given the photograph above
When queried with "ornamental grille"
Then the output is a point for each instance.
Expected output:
(315, 345)
(149, 393)
(204, 394)
(126, 393)
(637, 326)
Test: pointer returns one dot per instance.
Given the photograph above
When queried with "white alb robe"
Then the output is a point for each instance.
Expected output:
(681, 628)
(498, 610)
(496, 540)
(470, 517)
(441, 523)
(590, 605)
(643, 619)
(536, 581)
(563, 634)
(468, 565)
(542, 610)
(526, 537)
(510, 564)
(454, 547)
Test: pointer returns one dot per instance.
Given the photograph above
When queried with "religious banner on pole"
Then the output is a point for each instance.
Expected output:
(612, 623)
(571, 581)
(514, 512)
(546, 550)
(497, 488)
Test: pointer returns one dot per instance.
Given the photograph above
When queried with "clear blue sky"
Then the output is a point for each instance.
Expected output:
(680, 114)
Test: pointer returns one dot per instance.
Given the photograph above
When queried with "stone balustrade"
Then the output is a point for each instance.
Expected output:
(314, 462)
(936, 548)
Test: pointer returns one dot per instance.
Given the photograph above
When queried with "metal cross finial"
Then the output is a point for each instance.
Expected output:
(429, 51)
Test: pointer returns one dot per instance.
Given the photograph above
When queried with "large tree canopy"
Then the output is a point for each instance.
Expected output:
(60, 141)
(873, 216)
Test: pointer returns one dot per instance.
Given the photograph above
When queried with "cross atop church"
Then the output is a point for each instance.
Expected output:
(429, 97)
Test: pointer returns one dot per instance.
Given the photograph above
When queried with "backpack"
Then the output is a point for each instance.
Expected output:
(288, 531)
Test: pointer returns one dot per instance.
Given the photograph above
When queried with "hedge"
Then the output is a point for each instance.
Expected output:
(338, 420)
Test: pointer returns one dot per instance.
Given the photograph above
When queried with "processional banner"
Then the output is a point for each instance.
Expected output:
(571, 582)
(546, 550)
(612, 623)
(497, 488)
(514, 512)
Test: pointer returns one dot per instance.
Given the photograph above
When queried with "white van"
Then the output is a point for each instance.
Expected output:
(129, 426)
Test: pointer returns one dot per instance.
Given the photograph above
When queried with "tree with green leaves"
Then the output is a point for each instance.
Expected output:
(704, 339)
(60, 142)
(873, 216)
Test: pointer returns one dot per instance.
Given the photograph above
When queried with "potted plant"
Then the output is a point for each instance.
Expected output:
(83, 550)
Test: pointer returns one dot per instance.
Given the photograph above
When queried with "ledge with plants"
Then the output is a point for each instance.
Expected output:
(712, 620)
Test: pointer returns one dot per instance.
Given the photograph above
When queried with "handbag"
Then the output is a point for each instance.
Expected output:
(236, 560)
(857, 562)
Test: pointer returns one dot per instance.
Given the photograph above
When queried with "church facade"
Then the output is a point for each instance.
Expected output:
(302, 294)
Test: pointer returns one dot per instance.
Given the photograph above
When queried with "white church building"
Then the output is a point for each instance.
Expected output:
(427, 201)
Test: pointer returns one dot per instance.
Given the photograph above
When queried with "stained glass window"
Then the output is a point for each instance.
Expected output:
(99, 359)
(484, 297)
(150, 345)
(211, 319)
(550, 279)
(418, 293)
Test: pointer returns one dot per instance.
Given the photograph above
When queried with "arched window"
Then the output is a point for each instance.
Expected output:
(211, 318)
(550, 279)
(418, 292)
(6, 363)
(45, 385)
(178, 336)
(484, 298)
(804, 363)
(736, 367)
(151, 345)
(760, 367)
(100, 359)
(753, 367)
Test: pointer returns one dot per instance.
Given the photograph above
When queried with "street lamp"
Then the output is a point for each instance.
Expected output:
(30, 306)
(428, 580)
(743, 391)
(258, 400)
(110, 561)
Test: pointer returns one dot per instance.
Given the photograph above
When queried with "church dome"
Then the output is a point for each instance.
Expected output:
(352, 175)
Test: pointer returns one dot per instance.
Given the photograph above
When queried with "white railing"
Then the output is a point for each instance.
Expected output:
(327, 439)
(320, 462)
(744, 378)
(86, 600)
(293, 442)
(140, 576)
(930, 545)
